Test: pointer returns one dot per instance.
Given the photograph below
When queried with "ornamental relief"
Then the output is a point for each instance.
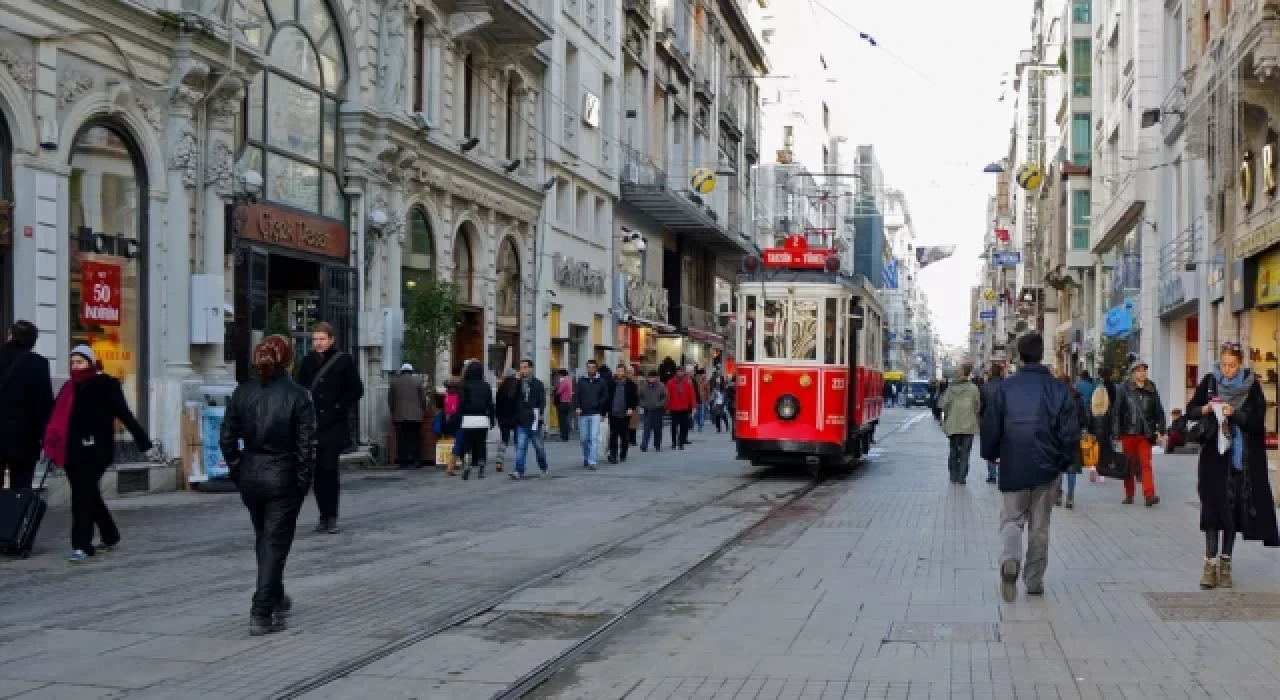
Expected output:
(21, 68)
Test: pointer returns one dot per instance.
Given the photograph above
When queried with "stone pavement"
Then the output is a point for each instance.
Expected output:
(883, 585)
(165, 615)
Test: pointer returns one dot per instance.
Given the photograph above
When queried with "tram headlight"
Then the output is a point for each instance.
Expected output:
(787, 407)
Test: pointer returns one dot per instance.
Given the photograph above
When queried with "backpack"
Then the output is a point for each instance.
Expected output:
(1100, 402)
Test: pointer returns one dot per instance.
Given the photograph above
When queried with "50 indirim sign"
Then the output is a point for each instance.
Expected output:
(99, 293)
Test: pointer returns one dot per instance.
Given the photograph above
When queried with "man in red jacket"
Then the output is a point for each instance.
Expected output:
(681, 400)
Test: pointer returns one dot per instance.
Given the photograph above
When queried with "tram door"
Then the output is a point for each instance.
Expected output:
(852, 328)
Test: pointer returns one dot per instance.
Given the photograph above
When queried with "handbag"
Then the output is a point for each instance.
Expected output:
(1090, 451)
(1115, 466)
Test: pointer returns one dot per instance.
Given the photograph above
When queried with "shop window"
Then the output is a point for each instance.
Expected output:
(508, 301)
(463, 268)
(107, 216)
(420, 257)
(289, 131)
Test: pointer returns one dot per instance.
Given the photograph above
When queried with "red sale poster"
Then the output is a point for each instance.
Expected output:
(99, 293)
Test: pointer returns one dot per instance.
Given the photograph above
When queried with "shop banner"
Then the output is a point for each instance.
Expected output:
(215, 467)
(1268, 289)
(99, 293)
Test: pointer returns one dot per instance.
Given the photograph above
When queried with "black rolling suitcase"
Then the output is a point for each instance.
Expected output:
(21, 511)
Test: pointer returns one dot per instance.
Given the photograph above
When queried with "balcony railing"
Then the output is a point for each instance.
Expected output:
(698, 319)
(639, 169)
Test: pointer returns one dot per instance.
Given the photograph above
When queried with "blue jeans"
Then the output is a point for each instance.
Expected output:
(700, 415)
(589, 435)
(524, 436)
(1071, 484)
(992, 471)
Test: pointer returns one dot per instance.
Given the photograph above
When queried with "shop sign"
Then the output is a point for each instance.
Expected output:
(1268, 289)
(1010, 259)
(309, 234)
(1259, 239)
(646, 300)
(990, 315)
(578, 275)
(1172, 292)
(99, 293)
(796, 259)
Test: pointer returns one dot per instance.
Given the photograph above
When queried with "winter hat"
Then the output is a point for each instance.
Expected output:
(86, 352)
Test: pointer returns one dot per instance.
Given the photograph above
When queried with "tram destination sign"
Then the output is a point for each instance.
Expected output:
(289, 229)
(802, 258)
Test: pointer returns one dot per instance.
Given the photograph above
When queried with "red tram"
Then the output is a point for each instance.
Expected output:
(810, 371)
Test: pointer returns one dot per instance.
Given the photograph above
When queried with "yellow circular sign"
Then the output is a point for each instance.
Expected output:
(978, 325)
(703, 180)
(989, 294)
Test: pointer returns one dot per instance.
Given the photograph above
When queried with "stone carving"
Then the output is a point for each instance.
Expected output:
(72, 87)
(391, 88)
(152, 112)
(184, 157)
(185, 97)
(218, 172)
(21, 68)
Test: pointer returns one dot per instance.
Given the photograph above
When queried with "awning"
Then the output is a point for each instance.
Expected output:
(705, 336)
(659, 326)
(675, 212)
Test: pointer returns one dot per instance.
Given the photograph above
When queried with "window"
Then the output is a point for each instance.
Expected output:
(107, 193)
(468, 96)
(775, 329)
(804, 330)
(512, 114)
(583, 223)
(508, 297)
(420, 257)
(1206, 27)
(1080, 203)
(829, 327)
(841, 335)
(1081, 134)
(1080, 12)
(419, 47)
(463, 269)
(564, 202)
(749, 330)
(1081, 67)
(826, 117)
(290, 117)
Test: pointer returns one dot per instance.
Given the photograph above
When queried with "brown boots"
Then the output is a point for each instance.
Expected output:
(1217, 574)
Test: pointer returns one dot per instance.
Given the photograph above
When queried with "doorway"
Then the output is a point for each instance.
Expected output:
(468, 341)
(293, 297)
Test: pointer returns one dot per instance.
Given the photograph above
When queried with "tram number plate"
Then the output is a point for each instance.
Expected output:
(835, 420)
(837, 383)
(744, 415)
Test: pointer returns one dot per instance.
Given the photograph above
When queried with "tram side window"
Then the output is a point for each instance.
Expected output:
(841, 337)
(829, 327)
(775, 329)
(749, 330)
(804, 330)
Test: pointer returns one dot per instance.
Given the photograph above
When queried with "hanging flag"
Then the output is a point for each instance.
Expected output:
(929, 254)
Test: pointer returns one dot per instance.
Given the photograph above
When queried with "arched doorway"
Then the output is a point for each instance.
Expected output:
(507, 306)
(468, 342)
(107, 263)
(6, 224)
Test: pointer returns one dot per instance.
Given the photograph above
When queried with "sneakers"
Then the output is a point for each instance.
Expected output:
(103, 547)
(321, 527)
(79, 556)
(591, 466)
(1057, 500)
(1009, 580)
(515, 476)
(466, 473)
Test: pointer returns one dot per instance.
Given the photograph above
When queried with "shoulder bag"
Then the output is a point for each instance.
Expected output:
(1201, 432)
(315, 381)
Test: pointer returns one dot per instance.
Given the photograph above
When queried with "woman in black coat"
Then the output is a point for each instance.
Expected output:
(1235, 493)
(475, 405)
(275, 419)
(506, 410)
(81, 438)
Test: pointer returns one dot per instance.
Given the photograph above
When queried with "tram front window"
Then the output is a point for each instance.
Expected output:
(775, 329)
(804, 330)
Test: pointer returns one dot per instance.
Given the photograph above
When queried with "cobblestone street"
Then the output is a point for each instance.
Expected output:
(876, 584)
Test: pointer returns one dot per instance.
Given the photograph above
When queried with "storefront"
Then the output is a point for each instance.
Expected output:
(1180, 325)
(642, 320)
(291, 272)
(575, 326)
(1263, 309)
(107, 213)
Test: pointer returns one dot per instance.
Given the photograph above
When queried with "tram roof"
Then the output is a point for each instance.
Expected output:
(783, 276)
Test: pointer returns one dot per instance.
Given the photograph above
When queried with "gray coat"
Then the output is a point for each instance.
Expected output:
(653, 397)
(407, 398)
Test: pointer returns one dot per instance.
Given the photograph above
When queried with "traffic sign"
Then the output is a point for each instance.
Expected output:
(987, 314)
(1009, 259)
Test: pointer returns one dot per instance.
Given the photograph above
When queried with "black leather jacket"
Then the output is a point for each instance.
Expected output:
(1137, 411)
(277, 422)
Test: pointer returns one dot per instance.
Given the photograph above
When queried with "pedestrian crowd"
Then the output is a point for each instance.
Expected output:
(1036, 431)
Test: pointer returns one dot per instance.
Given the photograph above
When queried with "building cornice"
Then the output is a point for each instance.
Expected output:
(731, 12)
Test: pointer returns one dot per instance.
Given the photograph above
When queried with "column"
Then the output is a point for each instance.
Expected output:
(220, 184)
(183, 150)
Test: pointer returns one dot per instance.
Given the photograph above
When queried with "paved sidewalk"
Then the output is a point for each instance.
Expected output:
(884, 586)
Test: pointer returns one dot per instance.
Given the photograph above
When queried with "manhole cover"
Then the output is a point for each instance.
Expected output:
(1215, 607)
(942, 632)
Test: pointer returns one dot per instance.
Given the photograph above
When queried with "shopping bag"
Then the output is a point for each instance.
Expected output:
(1089, 451)
(1115, 466)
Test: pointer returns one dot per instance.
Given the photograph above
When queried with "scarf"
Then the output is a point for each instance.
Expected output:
(55, 434)
(1235, 391)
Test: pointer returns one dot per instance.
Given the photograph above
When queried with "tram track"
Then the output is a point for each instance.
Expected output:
(549, 668)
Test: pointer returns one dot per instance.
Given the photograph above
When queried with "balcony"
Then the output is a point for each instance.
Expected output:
(520, 24)
(1178, 289)
(640, 10)
(645, 186)
(700, 324)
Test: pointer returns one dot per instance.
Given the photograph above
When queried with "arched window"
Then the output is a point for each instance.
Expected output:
(107, 214)
(468, 96)
(420, 256)
(290, 124)
(463, 269)
(508, 269)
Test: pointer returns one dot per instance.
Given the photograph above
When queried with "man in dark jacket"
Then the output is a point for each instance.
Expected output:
(590, 402)
(623, 401)
(331, 377)
(653, 401)
(26, 401)
(994, 376)
(531, 414)
(1030, 425)
(1137, 423)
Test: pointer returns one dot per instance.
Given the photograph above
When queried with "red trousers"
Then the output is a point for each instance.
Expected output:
(1138, 449)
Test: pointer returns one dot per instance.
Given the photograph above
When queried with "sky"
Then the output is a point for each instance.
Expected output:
(927, 97)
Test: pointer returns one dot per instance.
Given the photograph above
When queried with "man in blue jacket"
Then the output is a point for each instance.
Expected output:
(1031, 426)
